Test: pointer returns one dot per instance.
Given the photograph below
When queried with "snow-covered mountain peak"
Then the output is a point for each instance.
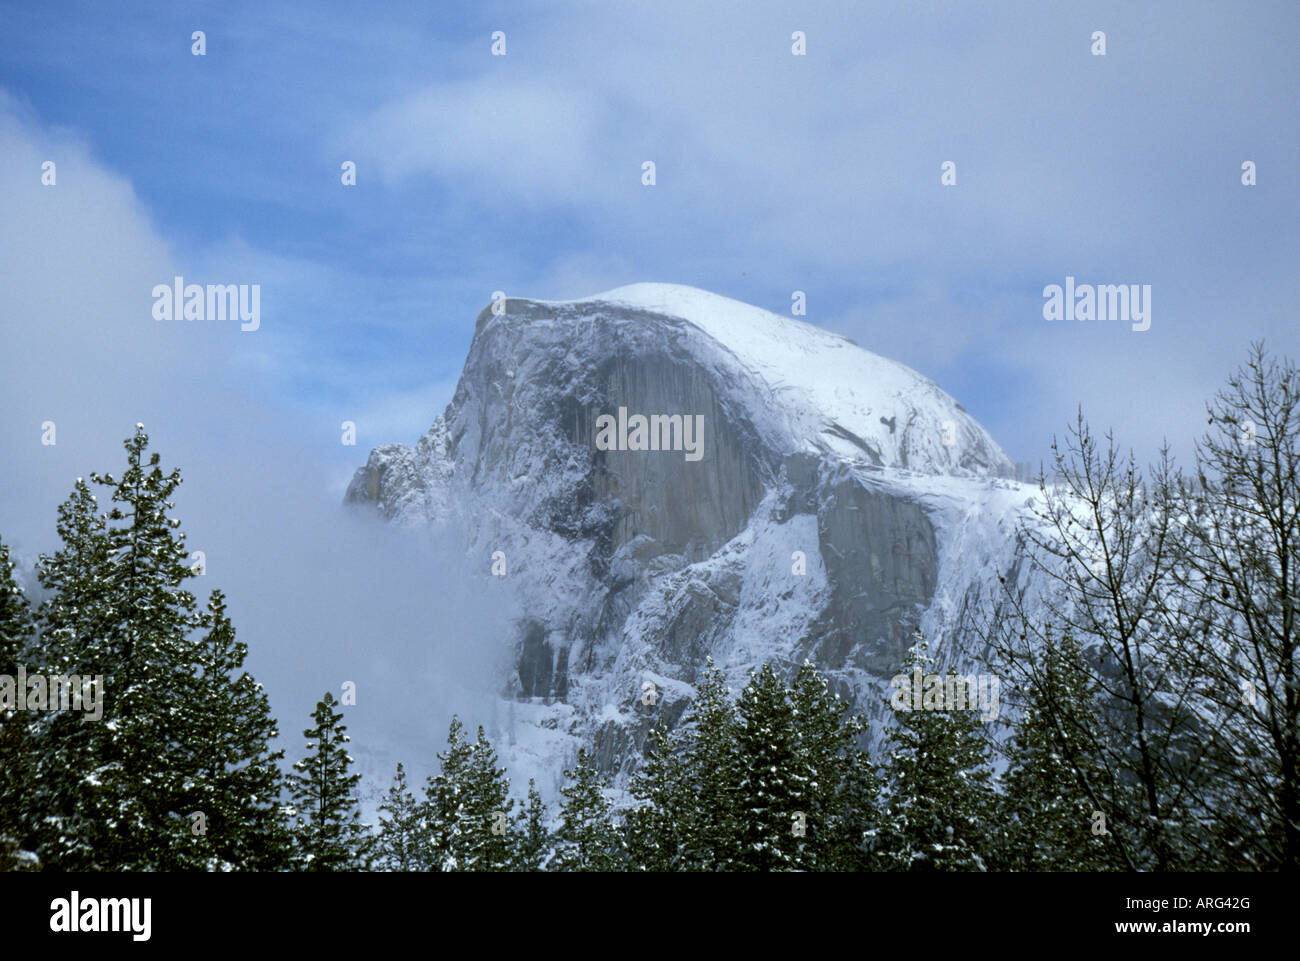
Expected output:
(832, 502)
(833, 396)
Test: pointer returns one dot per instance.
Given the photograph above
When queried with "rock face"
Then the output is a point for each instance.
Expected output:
(833, 502)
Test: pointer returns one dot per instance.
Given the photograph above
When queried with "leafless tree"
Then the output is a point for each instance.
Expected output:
(1238, 572)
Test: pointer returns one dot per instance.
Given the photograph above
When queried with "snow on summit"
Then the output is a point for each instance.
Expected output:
(842, 501)
(836, 397)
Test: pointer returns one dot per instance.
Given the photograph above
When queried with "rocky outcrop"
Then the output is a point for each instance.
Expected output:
(881, 558)
(825, 515)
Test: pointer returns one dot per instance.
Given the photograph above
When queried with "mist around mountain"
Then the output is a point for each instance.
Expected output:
(765, 601)
(840, 502)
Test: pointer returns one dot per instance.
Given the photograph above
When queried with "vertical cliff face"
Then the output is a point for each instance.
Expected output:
(881, 554)
(829, 502)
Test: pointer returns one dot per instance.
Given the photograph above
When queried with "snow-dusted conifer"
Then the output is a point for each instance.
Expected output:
(234, 779)
(532, 837)
(586, 839)
(17, 747)
(447, 804)
(402, 843)
(329, 834)
(940, 811)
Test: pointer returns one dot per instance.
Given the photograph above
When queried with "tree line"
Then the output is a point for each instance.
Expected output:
(1154, 718)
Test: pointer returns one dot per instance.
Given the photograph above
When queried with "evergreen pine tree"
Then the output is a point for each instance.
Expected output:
(1053, 780)
(532, 838)
(112, 799)
(468, 807)
(149, 633)
(75, 620)
(940, 806)
(17, 739)
(447, 804)
(236, 781)
(775, 792)
(854, 827)
(402, 844)
(712, 831)
(688, 781)
(177, 771)
(16, 623)
(709, 806)
(842, 784)
(657, 829)
(154, 615)
(73, 623)
(489, 828)
(330, 835)
(587, 839)
(180, 735)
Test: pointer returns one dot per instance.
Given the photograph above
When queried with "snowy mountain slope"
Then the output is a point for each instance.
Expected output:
(830, 394)
(839, 500)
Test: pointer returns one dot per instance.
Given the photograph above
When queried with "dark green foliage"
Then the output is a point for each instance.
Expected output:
(532, 837)
(1053, 779)
(659, 829)
(586, 839)
(170, 769)
(16, 623)
(842, 787)
(468, 808)
(446, 795)
(775, 782)
(489, 826)
(329, 834)
(402, 841)
(17, 762)
(775, 787)
(940, 810)
(235, 778)
(113, 791)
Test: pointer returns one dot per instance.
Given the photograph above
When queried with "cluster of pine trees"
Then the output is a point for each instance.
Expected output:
(180, 773)
(177, 774)
(773, 780)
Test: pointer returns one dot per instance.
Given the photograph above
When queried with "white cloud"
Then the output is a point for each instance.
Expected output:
(521, 143)
(313, 591)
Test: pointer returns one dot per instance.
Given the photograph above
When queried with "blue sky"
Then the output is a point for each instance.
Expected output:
(522, 173)
(775, 173)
